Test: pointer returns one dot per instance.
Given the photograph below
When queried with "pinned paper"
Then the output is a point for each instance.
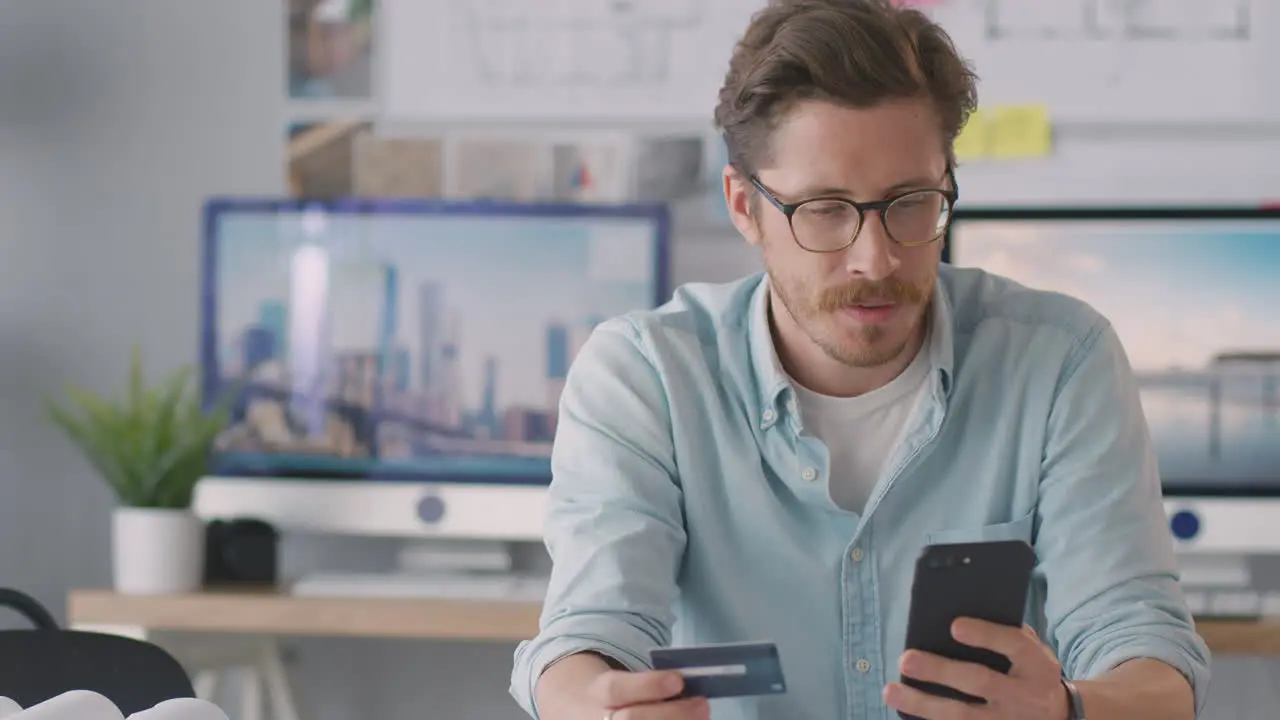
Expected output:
(1020, 131)
(973, 141)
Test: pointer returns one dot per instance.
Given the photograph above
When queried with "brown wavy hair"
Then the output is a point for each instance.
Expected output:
(854, 53)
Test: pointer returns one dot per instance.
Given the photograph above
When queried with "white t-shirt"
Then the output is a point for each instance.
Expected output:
(862, 433)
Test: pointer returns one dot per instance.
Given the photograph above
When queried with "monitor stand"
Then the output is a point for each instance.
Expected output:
(435, 569)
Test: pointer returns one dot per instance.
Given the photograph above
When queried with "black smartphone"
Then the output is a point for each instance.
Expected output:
(983, 580)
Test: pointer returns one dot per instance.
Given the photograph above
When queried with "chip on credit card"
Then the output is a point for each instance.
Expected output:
(725, 669)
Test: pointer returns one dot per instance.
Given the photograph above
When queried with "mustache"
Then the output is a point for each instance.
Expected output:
(891, 290)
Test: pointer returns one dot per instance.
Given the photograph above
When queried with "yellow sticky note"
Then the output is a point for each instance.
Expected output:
(1020, 131)
(972, 143)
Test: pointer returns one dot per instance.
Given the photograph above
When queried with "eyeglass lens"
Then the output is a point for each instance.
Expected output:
(913, 219)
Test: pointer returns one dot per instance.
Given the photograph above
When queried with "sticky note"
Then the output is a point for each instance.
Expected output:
(1019, 131)
(972, 143)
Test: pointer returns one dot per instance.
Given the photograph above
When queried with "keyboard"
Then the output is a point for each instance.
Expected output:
(1232, 602)
(444, 586)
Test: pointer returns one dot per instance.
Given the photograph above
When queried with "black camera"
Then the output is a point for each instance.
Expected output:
(240, 552)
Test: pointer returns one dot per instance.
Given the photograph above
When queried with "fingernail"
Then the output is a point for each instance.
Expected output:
(673, 683)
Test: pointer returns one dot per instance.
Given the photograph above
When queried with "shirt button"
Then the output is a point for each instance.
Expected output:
(768, 415)
(863, 666)
(809, 473)
(856, 554)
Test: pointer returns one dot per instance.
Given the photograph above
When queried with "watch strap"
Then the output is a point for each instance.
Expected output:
(1075, 705)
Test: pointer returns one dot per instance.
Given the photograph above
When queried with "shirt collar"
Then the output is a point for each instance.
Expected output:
(771, 381)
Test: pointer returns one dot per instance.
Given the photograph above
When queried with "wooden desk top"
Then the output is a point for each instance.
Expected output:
(1241, 637)
(270, 613)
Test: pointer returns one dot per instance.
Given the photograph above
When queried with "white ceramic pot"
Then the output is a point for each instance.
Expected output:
(156, 551)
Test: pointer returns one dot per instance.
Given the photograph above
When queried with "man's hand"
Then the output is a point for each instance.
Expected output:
(1032, 690)
(584, 687)
(623, 695)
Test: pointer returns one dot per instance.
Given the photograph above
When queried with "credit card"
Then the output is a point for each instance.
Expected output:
(724, 670)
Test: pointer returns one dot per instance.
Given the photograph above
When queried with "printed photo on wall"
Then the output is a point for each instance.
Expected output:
(349, 158)
(331, 49)
(592, 170)
(320, 158)
(518, 169)
(397, 166)
(584, 168)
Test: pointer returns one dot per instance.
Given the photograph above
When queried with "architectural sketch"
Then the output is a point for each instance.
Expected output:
(1229, 20)
(575, 42)
(1182, 19)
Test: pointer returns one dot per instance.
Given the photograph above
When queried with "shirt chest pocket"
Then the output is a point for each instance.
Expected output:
(1019, 529)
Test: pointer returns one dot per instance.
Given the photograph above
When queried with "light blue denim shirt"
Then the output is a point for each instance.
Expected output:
(685, 507)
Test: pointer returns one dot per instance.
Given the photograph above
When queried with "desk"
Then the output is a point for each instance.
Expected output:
(1241, 637)
(270, 613)
(254, 614)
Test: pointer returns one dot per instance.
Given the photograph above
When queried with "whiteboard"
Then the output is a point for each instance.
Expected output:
(1183, 166)
(600, 60)
(1124, 61)
(1129, 61)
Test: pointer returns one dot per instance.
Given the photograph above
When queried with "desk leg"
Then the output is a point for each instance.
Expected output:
(265, 684)
(251, 687)
(206, 684)
(279, 689)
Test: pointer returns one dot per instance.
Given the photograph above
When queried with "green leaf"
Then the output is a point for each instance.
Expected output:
(152, 445)
(136, 389)
(90, 445)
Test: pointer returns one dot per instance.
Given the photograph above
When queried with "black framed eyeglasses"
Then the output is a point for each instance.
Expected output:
(831, 224)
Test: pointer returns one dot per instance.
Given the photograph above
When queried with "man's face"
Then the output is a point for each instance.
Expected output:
(863, 305)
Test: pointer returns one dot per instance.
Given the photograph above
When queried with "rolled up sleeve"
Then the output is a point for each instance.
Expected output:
(614, 526)
(1107, 558)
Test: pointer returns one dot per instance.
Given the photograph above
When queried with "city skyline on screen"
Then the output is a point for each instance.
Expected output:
(498, 282)
(412, 344)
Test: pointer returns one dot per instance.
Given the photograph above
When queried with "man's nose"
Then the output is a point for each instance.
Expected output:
(873, 255)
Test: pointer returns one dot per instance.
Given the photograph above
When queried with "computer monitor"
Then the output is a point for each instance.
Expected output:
(397, 365)
(1194, 296)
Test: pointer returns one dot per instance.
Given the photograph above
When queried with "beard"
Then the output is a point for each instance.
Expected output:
(867, 345)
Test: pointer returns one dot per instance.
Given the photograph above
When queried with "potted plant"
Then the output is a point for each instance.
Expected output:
(151, 446)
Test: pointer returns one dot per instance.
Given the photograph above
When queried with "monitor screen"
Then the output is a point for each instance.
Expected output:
(1194, 299)
(424, 341)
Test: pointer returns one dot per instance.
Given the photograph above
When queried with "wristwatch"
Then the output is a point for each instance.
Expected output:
(1075, 706)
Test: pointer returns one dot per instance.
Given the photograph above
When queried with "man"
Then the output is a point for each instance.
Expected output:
(765, 460)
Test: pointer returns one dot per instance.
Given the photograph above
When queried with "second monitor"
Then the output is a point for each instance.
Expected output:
(1193, 295)
(400, 363)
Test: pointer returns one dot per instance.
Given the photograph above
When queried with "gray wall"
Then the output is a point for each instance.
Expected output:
(111, 131)
(116, 119)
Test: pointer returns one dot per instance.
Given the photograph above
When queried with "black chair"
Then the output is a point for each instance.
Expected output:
(39, 664)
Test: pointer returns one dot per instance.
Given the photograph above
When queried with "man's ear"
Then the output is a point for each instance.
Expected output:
(739, 195)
